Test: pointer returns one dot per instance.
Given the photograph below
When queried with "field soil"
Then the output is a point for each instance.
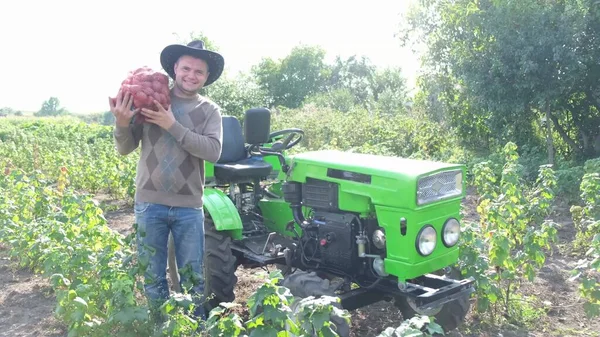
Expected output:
(27, 303)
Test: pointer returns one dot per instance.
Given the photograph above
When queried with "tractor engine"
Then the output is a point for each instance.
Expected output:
(336, 242)
(331, 238)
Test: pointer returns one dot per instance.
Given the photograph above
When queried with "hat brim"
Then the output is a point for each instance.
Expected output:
(172, 53)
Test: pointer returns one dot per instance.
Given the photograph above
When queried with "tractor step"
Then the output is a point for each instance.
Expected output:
(360, 297)
(263, 249)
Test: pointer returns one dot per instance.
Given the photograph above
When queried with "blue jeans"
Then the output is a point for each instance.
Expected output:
(154, 222)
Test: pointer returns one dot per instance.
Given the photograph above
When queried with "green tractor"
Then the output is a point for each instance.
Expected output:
(364, 228)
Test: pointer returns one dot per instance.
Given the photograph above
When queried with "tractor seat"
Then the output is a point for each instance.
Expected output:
(243, 169)
(234, 163)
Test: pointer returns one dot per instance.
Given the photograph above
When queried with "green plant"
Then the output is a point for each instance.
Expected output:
(509, 242)
(568, 182)
(86, 152)
(417, 326)
(63, 235)
(587, 222)
(275, 312)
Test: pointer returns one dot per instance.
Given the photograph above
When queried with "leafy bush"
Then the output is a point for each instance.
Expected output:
(55, 227)
(97, 278)
(587, 222)
(63, 235)
(86, 151)
(359, 130)
(271, 314)
(417, 326)
(567, 184)
(508, 243)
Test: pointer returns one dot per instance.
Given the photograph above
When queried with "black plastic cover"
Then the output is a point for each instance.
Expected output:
(292, 192)
(257, 126)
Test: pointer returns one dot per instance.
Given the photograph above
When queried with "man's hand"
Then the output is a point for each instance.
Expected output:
(121, 108)
(163, 118)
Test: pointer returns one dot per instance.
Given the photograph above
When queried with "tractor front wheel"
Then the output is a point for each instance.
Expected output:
(219, 267)
(304, 284)
(449, 316)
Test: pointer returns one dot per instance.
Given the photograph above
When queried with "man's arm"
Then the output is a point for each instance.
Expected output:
(207, 145)
(127, 138)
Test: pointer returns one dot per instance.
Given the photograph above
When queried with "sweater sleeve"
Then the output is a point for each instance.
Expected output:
(205, 144)
(127, 139)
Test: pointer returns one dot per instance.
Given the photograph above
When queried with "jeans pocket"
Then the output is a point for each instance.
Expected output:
(140, 207)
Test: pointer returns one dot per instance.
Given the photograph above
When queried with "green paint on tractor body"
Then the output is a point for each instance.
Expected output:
(389, 196)
(385, 223)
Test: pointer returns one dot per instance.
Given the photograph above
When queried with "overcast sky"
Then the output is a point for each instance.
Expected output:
(80, 51)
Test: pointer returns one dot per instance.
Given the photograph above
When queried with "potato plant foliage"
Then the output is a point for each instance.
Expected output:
(52, 224)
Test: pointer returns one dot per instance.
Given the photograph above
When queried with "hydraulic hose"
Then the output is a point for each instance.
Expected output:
(298, 216)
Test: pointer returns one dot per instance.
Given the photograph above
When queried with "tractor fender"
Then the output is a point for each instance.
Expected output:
(222, 212)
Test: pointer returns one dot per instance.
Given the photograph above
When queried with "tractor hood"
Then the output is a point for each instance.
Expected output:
(385, 180)
(372, 164)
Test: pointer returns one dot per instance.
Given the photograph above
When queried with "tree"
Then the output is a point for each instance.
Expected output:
(389, 90)
(289, 81)
(357, 76)
(236, 95)
(366, 85)
(506, 65)
(51, 107)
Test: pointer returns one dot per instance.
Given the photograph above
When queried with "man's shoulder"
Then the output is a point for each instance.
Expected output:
(208, 103)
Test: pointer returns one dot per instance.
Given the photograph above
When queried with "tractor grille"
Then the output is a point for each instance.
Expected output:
(439, 186)
(320, 194)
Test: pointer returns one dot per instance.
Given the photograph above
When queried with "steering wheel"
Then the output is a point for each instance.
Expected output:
(287, 143)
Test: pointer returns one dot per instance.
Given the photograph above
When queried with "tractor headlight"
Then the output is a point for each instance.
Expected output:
(439, 186)
(451, 232)
(426, 240)
(379, 239)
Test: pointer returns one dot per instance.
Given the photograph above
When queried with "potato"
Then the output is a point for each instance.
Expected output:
(146, 85)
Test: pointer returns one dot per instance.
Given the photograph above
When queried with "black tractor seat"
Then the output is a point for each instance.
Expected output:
(243, 169)
(235, 165)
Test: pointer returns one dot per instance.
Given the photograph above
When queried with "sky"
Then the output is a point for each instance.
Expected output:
(80, 51)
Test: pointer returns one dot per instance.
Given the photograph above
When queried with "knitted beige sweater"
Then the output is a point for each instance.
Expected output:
(171, 166)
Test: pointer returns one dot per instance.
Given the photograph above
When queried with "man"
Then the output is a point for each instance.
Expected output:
(175, 142)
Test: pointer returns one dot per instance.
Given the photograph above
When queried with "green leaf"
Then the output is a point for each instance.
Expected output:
(434, 328)
(264, 331)
(130, 314)
(388, 332)
(319, 318)
(274, 315)
(328, 332)
(409, 332)
(285, 334)
(275, 274)
(72, 294)
(80, 303)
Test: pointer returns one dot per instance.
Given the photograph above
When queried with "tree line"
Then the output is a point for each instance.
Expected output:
(526, 71)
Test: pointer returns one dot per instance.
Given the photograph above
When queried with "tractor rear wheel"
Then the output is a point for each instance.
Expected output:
(449, 316)
(219, 267)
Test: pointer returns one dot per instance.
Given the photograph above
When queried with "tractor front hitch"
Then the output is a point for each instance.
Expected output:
(426, 292)
(430, 290)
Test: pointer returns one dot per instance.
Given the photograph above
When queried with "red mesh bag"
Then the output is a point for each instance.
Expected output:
(147, 85)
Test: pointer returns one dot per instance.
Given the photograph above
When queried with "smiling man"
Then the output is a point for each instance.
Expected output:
(175, 142)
